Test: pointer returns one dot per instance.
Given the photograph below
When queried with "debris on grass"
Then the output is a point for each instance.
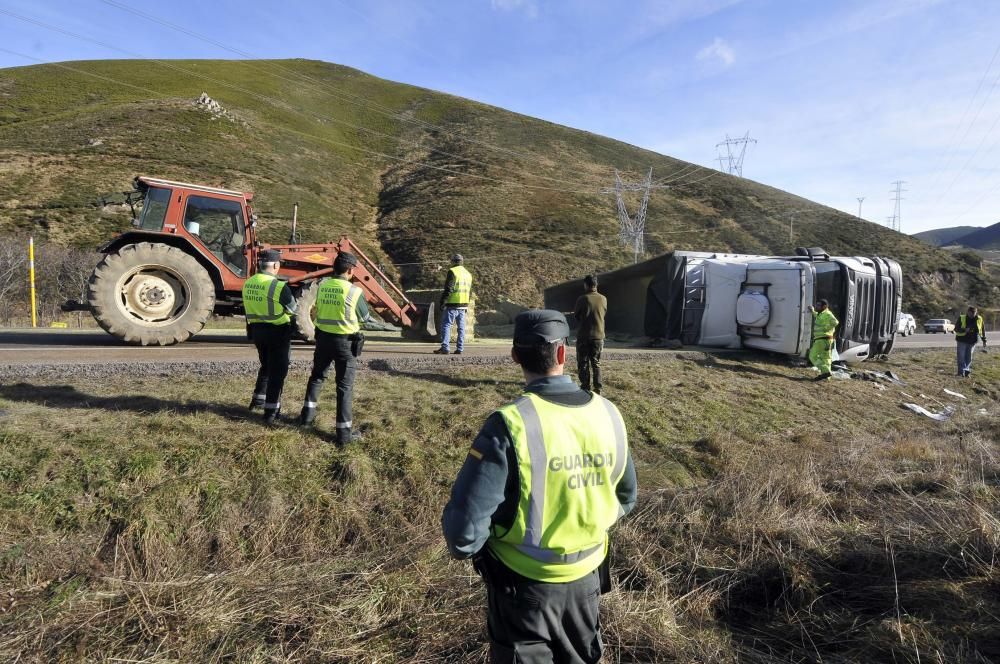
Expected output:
(938, 417)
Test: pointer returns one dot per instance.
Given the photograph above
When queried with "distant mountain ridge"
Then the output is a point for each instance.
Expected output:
(942, 237)
(412, 175)
(985, 239)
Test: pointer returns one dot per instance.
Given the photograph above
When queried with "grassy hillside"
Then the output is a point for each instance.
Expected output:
(778, 519)
(941, 237)
(411, 174)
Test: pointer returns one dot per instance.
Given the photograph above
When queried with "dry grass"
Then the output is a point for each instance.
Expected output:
(779, 520)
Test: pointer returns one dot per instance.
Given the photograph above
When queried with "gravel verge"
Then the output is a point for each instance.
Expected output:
(249, 367)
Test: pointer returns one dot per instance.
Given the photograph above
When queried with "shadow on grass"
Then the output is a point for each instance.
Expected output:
(838, 604)
(443, 378)
(67, 396)
(738, 366)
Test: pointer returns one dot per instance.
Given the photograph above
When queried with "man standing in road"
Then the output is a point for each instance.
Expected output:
(823, 333)
(340, 311)
(269, 306)
(589, 312)
(454, 305)
(544, 480)
(968, 331)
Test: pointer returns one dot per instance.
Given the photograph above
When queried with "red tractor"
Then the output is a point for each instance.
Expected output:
(188, 256)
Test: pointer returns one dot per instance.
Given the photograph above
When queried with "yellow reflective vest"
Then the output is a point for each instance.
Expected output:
(260, 300)
(570, 459)
(962, 329)
(337, 306)
(824, 325)
(462, 289)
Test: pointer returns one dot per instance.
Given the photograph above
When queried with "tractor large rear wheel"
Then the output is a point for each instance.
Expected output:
(151, 294)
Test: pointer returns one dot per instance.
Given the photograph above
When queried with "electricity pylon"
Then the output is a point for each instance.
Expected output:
(736, 151)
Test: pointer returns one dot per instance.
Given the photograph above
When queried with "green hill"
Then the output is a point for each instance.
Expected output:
(941, 237)
(985, 239)
(411, 174)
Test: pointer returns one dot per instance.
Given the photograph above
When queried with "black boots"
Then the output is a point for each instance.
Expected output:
(307, 416)
(271, 415)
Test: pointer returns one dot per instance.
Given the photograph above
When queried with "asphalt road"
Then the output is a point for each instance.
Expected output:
(81, 347)
(939, 340)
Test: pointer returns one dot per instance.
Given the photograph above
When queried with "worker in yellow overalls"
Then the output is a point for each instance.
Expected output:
(824, 329)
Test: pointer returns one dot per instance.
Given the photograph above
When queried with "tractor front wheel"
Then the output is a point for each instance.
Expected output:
(151, 295)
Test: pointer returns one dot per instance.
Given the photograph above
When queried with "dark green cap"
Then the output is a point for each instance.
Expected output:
(269, 256)
(537, 326)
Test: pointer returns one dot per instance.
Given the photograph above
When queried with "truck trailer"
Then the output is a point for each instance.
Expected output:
(724, 300)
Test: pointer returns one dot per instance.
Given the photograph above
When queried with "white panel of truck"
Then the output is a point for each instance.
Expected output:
(788, 287)
(718, 322)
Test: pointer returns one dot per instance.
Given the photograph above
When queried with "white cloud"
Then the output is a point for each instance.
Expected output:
(718, 50)
(527, 6)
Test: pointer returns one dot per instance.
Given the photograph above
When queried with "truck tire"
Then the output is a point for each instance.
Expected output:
(305, 303)
(151, 295)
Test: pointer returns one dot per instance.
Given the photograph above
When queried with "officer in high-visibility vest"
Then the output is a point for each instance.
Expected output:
(454, 305)
(340, 311)
(823, 334)
(544, 480)
(269, 306)
(969, 330)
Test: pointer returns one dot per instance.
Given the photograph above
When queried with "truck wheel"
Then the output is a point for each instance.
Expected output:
(151, 294)
(305, 305)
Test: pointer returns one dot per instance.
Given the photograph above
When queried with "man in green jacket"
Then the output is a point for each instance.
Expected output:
(544, 480)
(824, 327)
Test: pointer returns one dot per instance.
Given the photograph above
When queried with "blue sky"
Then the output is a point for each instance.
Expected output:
(844, 97)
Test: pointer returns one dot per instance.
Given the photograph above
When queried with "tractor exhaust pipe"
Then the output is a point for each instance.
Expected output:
(294, 238)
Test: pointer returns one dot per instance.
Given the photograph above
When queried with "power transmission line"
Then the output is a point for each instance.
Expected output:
(339, 92)
(736, 151)
(289, 129)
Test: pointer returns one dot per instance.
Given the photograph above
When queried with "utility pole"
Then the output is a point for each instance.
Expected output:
(861, 199)
(736, 150)
(897, 219)
(632, 230)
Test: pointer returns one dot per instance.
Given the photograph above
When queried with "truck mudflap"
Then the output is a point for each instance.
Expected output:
(423, 325)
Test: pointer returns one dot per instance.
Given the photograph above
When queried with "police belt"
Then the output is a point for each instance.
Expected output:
(500, 577)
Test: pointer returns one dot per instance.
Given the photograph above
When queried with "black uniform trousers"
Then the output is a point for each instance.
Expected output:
(531, 622)
(274, 348)
(334, 349)
(588, 361)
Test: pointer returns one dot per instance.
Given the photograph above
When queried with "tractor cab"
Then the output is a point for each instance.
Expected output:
(217, 221)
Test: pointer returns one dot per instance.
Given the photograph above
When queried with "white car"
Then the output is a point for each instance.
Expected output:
(935, 325)
(906, 325)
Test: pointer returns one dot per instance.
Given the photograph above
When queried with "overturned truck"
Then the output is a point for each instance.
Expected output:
(746, 301)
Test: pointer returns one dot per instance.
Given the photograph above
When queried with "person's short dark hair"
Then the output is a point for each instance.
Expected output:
(344, 262)
(823, 303)
(269, 256)
(590, 282)
(538, 358)
(973, 309)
